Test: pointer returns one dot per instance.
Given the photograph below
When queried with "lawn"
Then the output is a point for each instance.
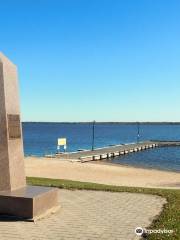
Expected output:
(168, 219)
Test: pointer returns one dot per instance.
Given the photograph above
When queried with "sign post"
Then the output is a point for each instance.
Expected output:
(62, 142)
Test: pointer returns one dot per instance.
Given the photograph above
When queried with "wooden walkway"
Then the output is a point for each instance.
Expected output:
(112, 151)
(107, 152)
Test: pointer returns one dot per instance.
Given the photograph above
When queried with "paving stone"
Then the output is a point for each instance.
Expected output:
(89, 215)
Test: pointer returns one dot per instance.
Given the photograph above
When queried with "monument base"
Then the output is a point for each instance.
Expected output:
(30, 202)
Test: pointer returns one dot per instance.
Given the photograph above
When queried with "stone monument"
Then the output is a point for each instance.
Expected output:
(17, 199)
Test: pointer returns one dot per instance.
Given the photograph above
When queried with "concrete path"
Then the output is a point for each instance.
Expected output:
(89, 215)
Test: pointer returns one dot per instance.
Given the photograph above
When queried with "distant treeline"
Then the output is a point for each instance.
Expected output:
(124, 123)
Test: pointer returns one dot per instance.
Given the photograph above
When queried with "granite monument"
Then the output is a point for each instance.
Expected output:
(16, 198)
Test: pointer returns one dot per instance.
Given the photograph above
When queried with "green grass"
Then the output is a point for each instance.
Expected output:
(168, 219)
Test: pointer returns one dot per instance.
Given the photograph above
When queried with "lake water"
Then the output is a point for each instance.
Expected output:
(41, 139)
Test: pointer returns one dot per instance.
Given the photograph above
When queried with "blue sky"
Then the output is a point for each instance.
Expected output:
(108, 60)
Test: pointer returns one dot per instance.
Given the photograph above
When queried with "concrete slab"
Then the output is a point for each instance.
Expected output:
(30, 202)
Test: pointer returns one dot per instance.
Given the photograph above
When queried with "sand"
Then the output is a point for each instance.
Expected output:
(101, 173)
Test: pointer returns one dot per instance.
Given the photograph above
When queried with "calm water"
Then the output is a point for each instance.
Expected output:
(41, 139)
(166, 158)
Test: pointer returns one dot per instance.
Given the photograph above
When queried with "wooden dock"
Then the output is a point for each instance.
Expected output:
(168, 143)
(113, 151)
(106, 152)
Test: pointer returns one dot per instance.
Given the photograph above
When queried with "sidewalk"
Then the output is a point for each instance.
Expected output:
(89, 215)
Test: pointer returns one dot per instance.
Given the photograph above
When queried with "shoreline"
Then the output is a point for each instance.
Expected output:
(133, 166)
(103, 173)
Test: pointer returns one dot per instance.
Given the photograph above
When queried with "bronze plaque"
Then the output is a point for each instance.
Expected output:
(14, 126)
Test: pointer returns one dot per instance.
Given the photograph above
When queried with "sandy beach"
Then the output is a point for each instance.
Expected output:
(101, 173)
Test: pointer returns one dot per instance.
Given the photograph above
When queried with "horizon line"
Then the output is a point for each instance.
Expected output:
(119, 122)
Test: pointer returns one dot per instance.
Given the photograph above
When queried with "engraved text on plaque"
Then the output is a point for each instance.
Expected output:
(14, 126)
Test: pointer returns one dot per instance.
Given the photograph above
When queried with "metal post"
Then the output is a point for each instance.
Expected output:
(138, 131)
(93, 134)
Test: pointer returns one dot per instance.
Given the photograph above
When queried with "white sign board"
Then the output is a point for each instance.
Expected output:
(62, 141)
